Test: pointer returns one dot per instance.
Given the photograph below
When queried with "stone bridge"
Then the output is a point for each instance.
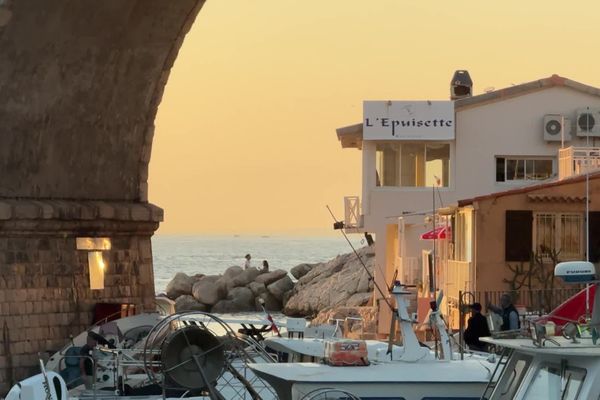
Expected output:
(80, 84)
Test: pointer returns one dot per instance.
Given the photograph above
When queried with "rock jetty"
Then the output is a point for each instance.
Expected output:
(341, 281)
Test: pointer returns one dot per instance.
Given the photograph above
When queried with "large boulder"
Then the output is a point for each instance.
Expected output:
(257, 288)
(270, 277)
(188, 303)
(232, 271)
(224, 306)
(243, 298)
(332, 284)
(180, 284)
(278, 288)
(270, 302)
(245, 277)
(208, 290)
(300, 270)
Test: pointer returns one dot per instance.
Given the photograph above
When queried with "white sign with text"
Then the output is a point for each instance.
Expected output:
(408, 120)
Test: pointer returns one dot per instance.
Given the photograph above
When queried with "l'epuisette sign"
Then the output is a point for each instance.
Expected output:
(408, 120)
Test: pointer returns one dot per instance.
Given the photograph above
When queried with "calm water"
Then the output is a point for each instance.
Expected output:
(213, 254)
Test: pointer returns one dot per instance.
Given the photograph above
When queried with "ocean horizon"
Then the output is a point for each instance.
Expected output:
(212, 255)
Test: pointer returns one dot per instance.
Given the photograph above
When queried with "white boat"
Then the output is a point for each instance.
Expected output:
(193, 355)
(410, 372)
(551, 367)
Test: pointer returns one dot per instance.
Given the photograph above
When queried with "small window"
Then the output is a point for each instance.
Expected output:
(516, 169)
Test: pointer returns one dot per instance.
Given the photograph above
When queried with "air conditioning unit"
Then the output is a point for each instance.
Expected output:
(555, 127)
(588, 122)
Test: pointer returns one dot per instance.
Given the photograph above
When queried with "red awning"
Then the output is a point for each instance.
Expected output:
(437, 233)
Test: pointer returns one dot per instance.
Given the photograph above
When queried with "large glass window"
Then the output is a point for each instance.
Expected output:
(550, 384)
(509, 169)
(413, 164)
(560, 233)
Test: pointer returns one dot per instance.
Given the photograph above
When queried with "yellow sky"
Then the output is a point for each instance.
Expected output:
(245, 139)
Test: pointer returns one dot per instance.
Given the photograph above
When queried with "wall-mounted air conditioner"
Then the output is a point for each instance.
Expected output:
(555, 127)
(588, 122)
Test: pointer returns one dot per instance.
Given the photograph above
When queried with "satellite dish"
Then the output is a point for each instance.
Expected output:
(192, 358)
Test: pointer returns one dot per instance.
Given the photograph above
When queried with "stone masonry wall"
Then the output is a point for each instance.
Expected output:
(45, 293)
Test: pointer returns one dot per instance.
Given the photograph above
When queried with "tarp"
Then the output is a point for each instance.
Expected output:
(437, 233)
(573, 309)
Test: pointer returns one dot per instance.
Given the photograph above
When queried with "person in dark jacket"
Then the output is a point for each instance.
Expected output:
(477, 327)
(508, 312)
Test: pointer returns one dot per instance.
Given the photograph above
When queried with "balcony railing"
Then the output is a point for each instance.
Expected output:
(353, 220)
(577, 160)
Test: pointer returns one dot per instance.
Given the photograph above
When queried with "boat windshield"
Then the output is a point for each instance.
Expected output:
(512, 377)
(550, 384)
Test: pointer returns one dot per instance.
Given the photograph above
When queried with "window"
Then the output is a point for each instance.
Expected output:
(512, 377)
(511, 169)
(559, 232)
(550, 383)
(413, 164)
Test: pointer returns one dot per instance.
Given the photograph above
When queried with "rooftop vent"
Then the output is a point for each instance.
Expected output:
(461, 85)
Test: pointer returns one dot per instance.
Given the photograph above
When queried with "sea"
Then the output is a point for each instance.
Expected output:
(211, 255)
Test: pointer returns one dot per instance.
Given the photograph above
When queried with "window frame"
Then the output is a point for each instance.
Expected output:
(379, 162)
(558, 234)
(525, 160)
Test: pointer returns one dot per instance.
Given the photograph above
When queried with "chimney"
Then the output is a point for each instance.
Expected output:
(461, 85)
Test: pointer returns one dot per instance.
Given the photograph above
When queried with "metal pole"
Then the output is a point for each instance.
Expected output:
(460, 325)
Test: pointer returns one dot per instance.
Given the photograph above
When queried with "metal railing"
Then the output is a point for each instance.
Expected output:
(577, 160)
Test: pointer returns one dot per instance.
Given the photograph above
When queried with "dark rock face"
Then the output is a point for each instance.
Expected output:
(271, 277)
(281, 286)
(189, 303)
(300, 270)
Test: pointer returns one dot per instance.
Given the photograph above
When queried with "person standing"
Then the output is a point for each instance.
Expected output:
(247, 264)
(477, 327)
(508, 312)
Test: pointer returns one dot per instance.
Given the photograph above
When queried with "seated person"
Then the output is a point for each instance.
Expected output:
(476, 327)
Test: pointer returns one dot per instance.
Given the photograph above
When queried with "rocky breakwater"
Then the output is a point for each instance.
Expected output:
(237, 290)
(341, 281)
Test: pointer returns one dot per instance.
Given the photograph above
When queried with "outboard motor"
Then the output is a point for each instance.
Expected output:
(48, 386)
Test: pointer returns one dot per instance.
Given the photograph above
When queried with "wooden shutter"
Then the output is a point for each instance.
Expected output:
(518, 236)
(594, 224)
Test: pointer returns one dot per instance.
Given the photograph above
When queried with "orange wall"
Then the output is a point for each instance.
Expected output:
(490, 265)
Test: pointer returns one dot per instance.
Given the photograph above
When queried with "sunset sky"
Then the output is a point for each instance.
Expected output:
(245, 140)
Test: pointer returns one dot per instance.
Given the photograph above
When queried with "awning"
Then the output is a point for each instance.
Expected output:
(437, 233)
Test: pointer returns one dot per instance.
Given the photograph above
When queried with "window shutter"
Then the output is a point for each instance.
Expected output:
(518, 235)
(594, 217)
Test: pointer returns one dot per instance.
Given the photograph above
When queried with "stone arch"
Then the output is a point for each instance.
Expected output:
(80, 86)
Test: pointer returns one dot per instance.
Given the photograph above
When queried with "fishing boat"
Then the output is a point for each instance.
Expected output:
(411, 372)
(543, 366)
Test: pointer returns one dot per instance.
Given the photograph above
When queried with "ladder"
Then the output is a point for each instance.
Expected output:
(498, 371)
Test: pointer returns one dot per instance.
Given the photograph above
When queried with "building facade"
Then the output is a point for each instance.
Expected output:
(502, 139)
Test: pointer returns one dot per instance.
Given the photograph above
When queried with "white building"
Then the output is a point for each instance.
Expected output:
(501, 139)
